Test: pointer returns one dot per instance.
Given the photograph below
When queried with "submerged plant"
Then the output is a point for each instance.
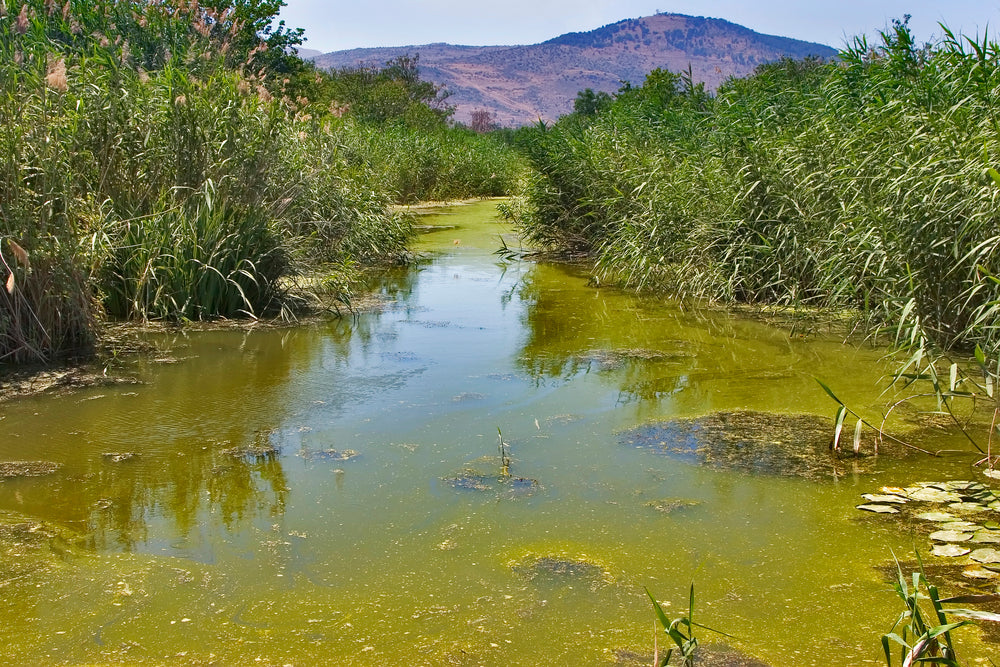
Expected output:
(680, 631)
(924, 636)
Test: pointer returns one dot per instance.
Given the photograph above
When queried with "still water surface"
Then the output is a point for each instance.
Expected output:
(188, 554)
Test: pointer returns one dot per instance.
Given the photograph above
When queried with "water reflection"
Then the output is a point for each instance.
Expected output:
(166, 451)
(683, 361)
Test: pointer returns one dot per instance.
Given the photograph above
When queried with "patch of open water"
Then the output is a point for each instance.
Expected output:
(333, 494)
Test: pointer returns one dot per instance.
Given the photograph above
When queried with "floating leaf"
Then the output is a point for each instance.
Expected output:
(979, 573)
(960, 526)
(929, 495)
(988, 555)
(950, 536)
(948, 550)
(879, 509)
(967, 507)
(887, 498)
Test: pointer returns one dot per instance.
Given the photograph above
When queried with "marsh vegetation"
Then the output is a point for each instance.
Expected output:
(177, 161)
(865, 185)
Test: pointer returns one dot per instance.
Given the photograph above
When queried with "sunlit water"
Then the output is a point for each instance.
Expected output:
(186, 554)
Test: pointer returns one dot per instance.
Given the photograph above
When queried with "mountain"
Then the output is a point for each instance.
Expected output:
(520, 84)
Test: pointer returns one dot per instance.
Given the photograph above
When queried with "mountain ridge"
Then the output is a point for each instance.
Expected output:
(520, 84)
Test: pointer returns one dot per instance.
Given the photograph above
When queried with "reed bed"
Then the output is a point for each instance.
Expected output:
(867, 184)
(172, 160)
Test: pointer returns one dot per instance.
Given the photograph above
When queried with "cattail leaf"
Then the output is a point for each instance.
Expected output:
(659, 611)
(857, 437)
(841, 415)
(994, 174)
(953, 380)
(829, 391)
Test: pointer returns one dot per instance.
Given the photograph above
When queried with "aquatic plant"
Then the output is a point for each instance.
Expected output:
(924, 636)
(504, 456)
(178, 161)
(861, 185)
(680, 631)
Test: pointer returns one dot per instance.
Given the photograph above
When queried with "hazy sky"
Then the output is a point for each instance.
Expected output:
(347, 24)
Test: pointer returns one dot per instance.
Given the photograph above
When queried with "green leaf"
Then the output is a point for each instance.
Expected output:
(664, 621)
(994, 174)
(935, 632)
(829, 391)
(975, 614)
(841, 415)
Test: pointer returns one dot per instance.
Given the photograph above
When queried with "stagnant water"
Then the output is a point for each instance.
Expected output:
(188, 554)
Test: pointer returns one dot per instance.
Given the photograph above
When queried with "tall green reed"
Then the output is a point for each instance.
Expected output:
(860, 184)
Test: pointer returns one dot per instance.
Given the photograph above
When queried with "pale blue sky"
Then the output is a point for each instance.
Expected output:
(348, 24)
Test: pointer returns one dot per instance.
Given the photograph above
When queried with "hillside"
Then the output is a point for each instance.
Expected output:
(520, 84)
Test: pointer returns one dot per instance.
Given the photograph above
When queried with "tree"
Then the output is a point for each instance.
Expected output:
(482, 121)
(590, 103)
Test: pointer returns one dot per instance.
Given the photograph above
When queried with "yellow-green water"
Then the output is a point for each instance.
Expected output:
(185, 554)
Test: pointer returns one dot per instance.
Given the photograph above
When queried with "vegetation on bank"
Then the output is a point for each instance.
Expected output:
(867, 184)
(176, 160)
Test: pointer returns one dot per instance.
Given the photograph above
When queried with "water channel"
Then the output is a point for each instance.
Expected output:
(380, 531)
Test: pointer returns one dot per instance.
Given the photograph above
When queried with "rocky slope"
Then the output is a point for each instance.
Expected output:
(520, 84)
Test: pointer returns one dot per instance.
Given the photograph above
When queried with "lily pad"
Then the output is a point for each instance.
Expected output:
(950, 536)
(988, 555)
(979, 573)
(936, 517)
(948, 550)
(930, 495)
(879, 509)
(967, 507)
(993, 474)
(884, 498)
(986, 537)
(960, 526)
